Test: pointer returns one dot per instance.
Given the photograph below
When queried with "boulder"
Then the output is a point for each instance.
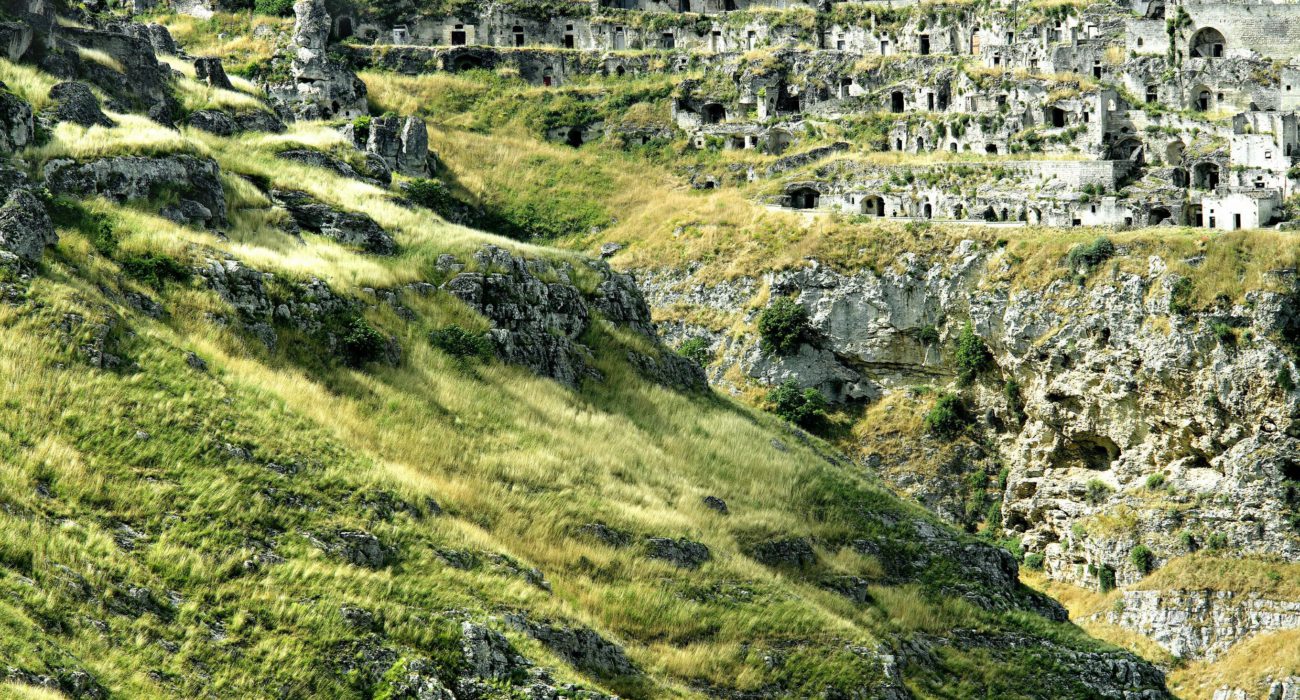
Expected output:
(25, 228)
(157, 35)
(349, 228)
(129, 178)
(15, 39)
(138, 81)
(77, 104)
(209, 70)
(17, 128)
(680, 552)
(362, 549)
(715, 503)
(413, 158)
(790, 553)
(488, 654)
(213, 122)
(580, 646)
(316, 159)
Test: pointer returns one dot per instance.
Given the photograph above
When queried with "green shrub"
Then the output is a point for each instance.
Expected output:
(928, 335)
(1217, 541)
(432, 195)
(805, 407)
(1034, 562)
(1097, 491)
(1015, 403)
(1144, 560)
(1285, 380)
(696, 350)
(361, 128)
(1090, 255)
(1180, 297)
(1106, 579)
(460, 343)
(1187, 541)
(948, 417)
(362, 343)
(1225, 334)
(783, 326)
(275, 8)
(973, 356)
(154, 269)
(1155, 481)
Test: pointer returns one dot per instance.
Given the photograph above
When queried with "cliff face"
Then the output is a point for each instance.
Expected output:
(1123, 417)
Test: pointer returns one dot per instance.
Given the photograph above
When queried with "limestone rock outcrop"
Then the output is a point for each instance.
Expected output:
(17, 127)
(77, 104)
(25, 228)
(538, 323)
(349, 228)
(321, 87)
(196, 180)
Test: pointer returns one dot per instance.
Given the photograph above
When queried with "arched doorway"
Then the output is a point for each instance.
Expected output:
(805, 198)
(873, 205)
(1205, 176)
(1157, 216)
(714, 113)
(1207, 43)
(927, 211)
(1202, 99)
(1057, 117)
(1128, 149)
(464, 63)
(574, 137)
(975, 43)
(991, 149)
(345, 28)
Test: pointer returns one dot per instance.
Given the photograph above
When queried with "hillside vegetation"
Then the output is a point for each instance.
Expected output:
(351, 500)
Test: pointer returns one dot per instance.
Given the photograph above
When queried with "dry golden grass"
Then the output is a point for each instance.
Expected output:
(1278, 580)
(100, 57)
(1251, 665)
(28, 83)
(133, 135)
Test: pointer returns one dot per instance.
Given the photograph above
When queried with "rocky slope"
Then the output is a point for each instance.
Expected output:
(275, 430)
(1124, 417)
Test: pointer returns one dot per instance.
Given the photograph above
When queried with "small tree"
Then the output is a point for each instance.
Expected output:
(783, 326)
(460, 343)
(947, 418)
(361, 343)
(1090, 255)
(973, 355)
(1097, 491)
(696, 350)
(1144, 560)
(806, 407)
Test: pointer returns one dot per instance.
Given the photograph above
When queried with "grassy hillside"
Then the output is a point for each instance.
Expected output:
(189, 511)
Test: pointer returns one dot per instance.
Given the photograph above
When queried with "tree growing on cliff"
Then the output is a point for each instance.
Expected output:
(973, 356)
(805, 408)
(783, 326)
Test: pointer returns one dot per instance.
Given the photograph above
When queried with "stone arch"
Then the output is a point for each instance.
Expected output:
(920, 144)
(620, 71)
(1202, 98)
(1205, 176)
(574, 137)
(466, 62)
(805, 198)
(1127, 149)
(1207, 42)
(1155, 9)
(1056, 116)
(975, 43)
(714, 113)
(344, 28)
(927, 211)
(896, 102)
(958, 211)
(1034, 216)
(873, 205)
(989, 215)
(1179, 177)
(1157, 216)
(991, 149)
